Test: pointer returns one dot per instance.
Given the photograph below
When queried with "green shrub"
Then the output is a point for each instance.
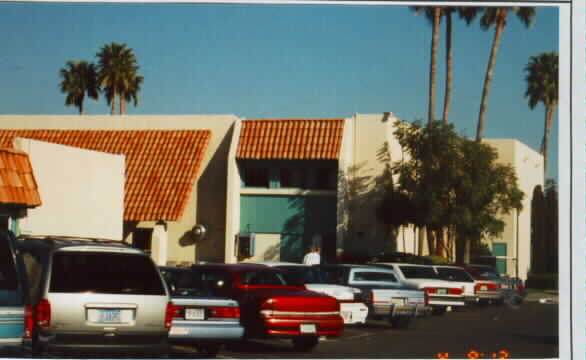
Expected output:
(546, 281)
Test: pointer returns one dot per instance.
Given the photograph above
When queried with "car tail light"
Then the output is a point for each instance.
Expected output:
(455, 291)
(178, 312)
(169, 314)
(43, 313)
(430, 290)
(28, 322)
(225, 312)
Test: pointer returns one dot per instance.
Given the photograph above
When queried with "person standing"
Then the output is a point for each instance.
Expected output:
(312, 257)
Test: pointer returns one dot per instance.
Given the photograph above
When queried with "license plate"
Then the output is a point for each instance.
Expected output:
(347, 316)
(109, 316)
(442, 291)
(307, 328)
(483, 288)
(194, 314)
(398, 301)
(403, 310)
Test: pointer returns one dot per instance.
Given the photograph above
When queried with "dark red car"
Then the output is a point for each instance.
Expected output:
(271, 307)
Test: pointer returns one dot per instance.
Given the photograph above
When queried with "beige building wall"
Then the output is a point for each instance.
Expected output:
(82, 191)
(365, 136)
(208, 203)
(528, 164)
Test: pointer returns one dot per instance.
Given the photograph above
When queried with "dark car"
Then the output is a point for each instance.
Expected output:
(200, 318)
(271, 307)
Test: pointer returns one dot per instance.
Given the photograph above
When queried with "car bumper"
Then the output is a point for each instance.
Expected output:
(489, 295)
(390, 310)
(98, 343)
(353, 313)
(446, 301)
(291, 327)
(182, 332)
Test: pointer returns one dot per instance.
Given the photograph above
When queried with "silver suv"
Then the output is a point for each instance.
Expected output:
(95, 297)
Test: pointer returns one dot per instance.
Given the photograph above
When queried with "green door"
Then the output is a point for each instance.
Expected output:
(500, 249)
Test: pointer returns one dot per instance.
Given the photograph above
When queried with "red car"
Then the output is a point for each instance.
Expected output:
(271, 307)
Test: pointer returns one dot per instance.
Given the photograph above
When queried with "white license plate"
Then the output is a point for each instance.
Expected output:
(483, 288)
(194, 314)
(307, 328)
(347, 316)
(442, 291)
(109, 316)
(398, 301)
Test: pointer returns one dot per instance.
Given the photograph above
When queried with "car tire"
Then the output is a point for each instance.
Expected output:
(208, 350)
(403, 322)
(305, 343)
(438, 310)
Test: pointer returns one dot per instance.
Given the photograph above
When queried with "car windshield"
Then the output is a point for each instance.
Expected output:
(418, 272)
(373, 276)
(185, 283)
(263, 278)
(104, 273)
(453, 274)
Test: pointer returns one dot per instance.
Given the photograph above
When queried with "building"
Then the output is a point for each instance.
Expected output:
(270, 187)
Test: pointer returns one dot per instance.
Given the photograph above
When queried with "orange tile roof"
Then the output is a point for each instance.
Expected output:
(291, 139)
(161, 165)
(17, 181)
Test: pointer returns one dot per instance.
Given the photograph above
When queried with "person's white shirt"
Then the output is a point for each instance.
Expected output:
(312, 258)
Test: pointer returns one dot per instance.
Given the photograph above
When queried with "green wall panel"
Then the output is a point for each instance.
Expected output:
(296, 218)
(500, 249)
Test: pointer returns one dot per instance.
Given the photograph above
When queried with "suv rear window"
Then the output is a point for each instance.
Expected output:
(104, 273)
(8, 277)
(419, 272)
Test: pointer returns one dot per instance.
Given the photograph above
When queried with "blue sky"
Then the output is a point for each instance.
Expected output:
(275, 61)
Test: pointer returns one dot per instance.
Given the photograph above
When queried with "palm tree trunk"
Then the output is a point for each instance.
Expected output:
(433, 63)
(449, 66)
(122, 105)
(500, 26)
(113, 104)
(549, 112)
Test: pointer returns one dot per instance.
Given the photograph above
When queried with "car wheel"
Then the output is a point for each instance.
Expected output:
(403, 322)
(208, 350)
(305, 343)
(438, 310)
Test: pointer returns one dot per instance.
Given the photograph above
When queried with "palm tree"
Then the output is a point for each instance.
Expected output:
(78, 79)
(117, 74)
(542, 87)
(131, 93)
(497, 16)
(434, 14)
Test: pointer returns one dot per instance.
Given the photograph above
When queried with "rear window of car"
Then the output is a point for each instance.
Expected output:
(418, 272)
(263, 278)
(185, 283)
(8, 276)
(104, 273)
(454, 275)
(374, 276)
(301, 275)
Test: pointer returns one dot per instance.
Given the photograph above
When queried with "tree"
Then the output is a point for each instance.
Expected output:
(542, 87)
(551, 226)
(78, 80)
(458, 186)
(433, 13)
(538, 231)
(497, 17)
(118, 74)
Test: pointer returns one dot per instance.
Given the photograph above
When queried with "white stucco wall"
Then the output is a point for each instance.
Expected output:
(528, 165)
(82, 191)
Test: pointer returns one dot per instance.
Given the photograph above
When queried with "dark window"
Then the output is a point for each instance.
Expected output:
(418, 272)
(141, 239)
(104, 273)
(325, 179)
(216, 280)
(184, 283)
(286, 178)
(8, 275)
(262, 278)
(256, 177)
(454, 275)
(374, 276)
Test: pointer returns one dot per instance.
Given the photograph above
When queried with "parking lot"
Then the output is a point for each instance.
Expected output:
(526, 331)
